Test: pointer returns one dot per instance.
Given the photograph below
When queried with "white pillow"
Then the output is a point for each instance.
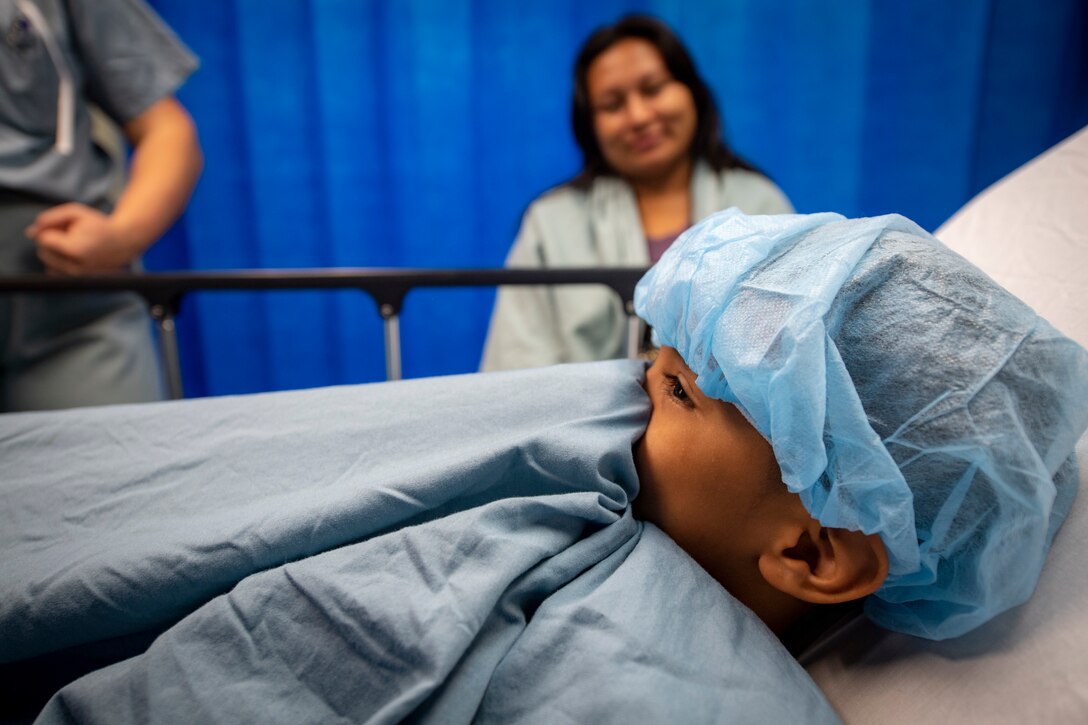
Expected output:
(1030, 233)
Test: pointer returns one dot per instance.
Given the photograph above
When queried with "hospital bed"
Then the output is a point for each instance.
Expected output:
(1028, 665)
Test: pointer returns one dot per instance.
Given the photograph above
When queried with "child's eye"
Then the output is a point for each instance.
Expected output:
(675, 389)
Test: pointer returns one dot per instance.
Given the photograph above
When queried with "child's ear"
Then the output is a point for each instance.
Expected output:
(822, 565)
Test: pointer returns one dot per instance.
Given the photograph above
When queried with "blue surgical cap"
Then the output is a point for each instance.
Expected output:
(904, 393)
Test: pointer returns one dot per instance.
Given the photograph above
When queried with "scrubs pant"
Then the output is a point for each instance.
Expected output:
(68, 350)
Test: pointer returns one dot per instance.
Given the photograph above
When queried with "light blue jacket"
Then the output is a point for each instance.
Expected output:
(567, 227)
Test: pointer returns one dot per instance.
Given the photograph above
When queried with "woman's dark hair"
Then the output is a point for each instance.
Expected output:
(708, 143)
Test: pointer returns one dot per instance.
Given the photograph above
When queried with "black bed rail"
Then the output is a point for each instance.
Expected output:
(387, 287)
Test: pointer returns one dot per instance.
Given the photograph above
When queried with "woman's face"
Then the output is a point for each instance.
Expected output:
(644, 118)
(707, 478)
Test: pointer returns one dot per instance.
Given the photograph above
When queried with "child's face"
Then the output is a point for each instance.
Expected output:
(708, 479)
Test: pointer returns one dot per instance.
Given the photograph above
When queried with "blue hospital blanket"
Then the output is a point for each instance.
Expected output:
(445, 550)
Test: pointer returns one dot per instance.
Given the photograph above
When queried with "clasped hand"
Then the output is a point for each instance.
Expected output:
(75, 239)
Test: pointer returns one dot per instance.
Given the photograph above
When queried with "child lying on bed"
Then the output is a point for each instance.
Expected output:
(843, 407)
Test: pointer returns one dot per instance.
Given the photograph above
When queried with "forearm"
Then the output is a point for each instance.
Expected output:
(166, 163)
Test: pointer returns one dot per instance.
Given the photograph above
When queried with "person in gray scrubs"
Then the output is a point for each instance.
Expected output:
(57, 59)
(654, 162)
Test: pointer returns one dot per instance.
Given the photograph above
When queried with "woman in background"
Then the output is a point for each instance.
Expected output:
(654, 162)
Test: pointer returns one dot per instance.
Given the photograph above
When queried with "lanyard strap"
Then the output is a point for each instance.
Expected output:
(66, 98)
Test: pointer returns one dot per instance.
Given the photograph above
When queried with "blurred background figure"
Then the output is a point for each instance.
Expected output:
(57, 61)
(654, 162)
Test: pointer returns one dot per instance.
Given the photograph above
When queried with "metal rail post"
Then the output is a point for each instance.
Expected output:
(391, 323)
(168, 348)
(633, 329)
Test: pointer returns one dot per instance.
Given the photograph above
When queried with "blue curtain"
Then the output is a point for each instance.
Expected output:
(413, 133)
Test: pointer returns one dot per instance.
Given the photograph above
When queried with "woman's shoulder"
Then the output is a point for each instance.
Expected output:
(575, 204)
(559, 217)
(570, 223)
(559, 201)
(752, 192)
